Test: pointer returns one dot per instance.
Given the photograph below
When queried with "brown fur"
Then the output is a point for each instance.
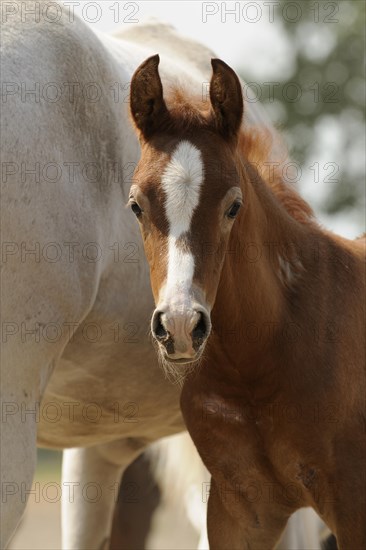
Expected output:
(277, 409)
(255, 147)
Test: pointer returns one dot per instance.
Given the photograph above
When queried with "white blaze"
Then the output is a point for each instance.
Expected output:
(182, 181)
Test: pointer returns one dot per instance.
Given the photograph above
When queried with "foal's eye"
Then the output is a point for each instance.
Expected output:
(136, 209)
(233, 210)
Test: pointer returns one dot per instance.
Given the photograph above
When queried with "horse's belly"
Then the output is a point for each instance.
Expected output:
(108, 385)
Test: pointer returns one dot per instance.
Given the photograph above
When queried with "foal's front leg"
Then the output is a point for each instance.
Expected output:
(350, 525)
(248, 530)
(93, 475)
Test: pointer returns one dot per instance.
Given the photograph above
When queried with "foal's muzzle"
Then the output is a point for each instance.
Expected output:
(182, 334)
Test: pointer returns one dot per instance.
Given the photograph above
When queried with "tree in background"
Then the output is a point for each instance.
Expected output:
(320, 106)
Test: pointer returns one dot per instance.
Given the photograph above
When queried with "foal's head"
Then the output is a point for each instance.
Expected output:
(186, 195)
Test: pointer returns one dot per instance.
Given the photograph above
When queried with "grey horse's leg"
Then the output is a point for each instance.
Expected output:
(90, 481)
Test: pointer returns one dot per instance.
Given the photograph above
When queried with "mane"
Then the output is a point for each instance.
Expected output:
(187, 112)
(256, 147)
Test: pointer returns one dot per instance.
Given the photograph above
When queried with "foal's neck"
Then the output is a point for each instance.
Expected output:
(266, 256)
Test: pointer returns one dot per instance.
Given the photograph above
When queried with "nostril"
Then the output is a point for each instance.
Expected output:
(158, 328)
(200, 330)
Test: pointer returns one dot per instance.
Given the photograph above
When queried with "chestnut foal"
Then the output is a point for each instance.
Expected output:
(275, 404)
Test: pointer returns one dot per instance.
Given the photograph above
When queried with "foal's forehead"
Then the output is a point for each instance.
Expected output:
(182, 165)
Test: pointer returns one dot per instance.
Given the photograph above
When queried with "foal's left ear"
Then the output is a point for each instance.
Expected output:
(147, 104)
(226, 99)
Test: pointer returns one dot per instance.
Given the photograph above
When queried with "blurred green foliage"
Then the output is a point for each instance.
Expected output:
(322, 99)
(48, 464)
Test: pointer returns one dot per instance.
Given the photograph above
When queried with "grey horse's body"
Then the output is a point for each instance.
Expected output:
(76, 299)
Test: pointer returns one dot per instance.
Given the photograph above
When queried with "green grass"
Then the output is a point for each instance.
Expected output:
(48, 466)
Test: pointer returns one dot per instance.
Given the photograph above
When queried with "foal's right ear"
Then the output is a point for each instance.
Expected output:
(146, 100)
